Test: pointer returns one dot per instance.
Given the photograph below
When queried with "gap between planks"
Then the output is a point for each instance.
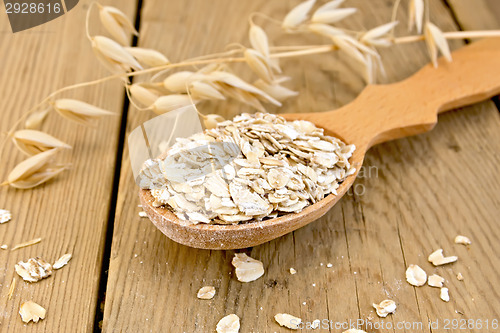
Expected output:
(108, 236)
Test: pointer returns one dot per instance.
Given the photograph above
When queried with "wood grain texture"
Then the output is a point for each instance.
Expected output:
(69, 213)
(414, 196)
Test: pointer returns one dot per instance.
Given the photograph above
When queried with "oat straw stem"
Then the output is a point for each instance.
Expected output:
(427, 11)
(264, 16)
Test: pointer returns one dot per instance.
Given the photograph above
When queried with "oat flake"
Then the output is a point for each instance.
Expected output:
(31, 311)
(229, 324)
(444, 295)
(462, 240)
(62, 261)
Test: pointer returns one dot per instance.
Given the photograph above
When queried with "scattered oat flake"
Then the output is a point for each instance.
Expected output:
(462, 240)
(229, 324)
(247, 269)
(287, 320)
(5, 216)
(460, 277)
(62, 261)
(31, 311)
(437, 258)
(329, 265)
(143, 214)
(293, 271)
(435, 281)
(385, 307)
(444, 295)
(207, 292)
(26, 244)
(34, 269)
(12, 287)
(416, 276)
(4, 247)
(315, 324)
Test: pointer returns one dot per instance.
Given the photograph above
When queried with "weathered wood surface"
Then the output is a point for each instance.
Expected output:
(70, 213)
(419, 194)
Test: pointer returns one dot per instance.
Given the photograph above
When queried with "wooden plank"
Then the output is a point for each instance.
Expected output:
(419, 193)
(476, 15)
(70, 214)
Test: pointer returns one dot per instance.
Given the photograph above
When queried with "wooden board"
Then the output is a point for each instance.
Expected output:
(70, 213)
(422, 192)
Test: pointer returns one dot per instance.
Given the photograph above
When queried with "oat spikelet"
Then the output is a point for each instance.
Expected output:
(179, 81)
(297, 15)
(435, 41)
(201, 90)
(379, 36)
(116, 23)
(34, 171)
(142, 94)
(168, 103)
(333, 15)
(259, 40)
(36, 119)
(148, 57)
(416, 15)
(79, 111)
(211, 120)
(32, 142)
(259, 65)
(112, 52)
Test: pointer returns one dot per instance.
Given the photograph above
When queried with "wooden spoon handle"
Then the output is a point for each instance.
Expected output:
(408, 107)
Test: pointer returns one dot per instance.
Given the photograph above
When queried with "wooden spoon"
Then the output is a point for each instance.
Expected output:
(380, 113)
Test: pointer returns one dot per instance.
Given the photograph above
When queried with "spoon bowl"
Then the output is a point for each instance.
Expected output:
(380, 113)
